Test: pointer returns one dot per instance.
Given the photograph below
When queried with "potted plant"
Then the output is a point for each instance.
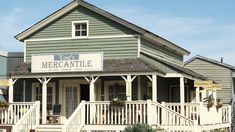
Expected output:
(4, 105)
(117, 102)
(219, 103)
(210, 101)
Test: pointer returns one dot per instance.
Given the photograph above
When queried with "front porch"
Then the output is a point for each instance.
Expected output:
(166, 101)
(101, 115)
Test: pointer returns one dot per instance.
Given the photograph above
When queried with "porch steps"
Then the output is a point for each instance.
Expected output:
(49, 128)
(109, 128)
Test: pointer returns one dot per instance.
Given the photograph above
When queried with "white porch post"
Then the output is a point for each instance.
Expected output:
(182, 95)
(139, 88)
(154, 88)
(129, 86)
(10, 90)
(197, 95)
(92, 81)
(44, 83)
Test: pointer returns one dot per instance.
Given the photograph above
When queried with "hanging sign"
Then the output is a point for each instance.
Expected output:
(67, 62)
(207, 84)
(4, 83)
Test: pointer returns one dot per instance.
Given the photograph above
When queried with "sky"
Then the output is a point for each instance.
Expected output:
(203, 27)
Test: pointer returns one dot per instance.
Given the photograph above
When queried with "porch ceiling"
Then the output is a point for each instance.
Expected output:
(111, 66)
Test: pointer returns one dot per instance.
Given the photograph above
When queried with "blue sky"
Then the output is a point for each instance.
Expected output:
(204, 27)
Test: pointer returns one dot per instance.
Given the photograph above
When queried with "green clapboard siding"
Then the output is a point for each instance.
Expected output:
(123, 47)
(162, 67)
(98, 25)
(3, 67)
(160, 52)
(214, 72)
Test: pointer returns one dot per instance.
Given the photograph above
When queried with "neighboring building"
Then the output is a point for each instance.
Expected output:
(215, 70)
(82, 52)
(8, 62)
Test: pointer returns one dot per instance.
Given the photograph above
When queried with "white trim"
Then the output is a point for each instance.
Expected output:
(139, 46)
(88, 74)
(47, 20)
(62, 84)
(84, 37)
(24, 51)
(24, 87)
(80, 22)
(50, 84)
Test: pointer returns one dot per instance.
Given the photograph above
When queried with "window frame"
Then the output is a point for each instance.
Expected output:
(50, 84)
(74, 23)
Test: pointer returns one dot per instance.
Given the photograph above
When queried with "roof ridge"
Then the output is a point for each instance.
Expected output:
(210, 60)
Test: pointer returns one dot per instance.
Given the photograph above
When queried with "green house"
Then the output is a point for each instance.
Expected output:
(81, 57)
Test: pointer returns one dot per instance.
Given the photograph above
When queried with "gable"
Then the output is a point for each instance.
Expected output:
(98, 25)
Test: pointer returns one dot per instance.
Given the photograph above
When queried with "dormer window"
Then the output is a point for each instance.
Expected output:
(80, 29)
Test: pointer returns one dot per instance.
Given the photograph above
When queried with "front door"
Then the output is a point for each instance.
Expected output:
(84, 92)
(71, 98)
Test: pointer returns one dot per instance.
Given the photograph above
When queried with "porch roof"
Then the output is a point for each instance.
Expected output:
(109, 66)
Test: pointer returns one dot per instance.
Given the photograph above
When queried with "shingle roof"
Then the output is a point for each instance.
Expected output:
(211, 61)
(182, 69)
(109, 66)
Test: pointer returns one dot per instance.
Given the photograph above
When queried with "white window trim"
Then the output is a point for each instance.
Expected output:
(50, 84)
(106, 87)
(73, 29)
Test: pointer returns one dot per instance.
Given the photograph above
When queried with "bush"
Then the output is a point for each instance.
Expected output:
(139, 128)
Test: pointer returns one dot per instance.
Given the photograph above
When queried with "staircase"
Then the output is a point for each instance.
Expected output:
(49, 128)
(101, 116)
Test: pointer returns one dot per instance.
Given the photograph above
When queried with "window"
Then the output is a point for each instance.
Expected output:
(115, 89)
(37, 95)
(80, 29)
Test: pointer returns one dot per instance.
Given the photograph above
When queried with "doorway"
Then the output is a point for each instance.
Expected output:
(71, 99)
(85, 92)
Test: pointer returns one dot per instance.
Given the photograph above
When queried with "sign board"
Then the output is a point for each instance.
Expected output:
(67, 62)
(207, 84)
(4, 83)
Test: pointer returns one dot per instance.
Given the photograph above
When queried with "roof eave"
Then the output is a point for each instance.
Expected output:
(21, 36)
(146, 34)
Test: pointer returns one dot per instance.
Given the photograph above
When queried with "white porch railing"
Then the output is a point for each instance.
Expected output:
(200, 114)
(191, 110)
(30, 120)
(76, 121)
(170, 120)
(14, 112)
(103, 113)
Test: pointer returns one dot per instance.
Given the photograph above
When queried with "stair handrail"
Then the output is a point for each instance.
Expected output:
(67, 126)
(166, 126)
(30, 120)
(172, 111)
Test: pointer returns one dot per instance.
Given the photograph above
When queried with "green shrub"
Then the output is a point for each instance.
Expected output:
(139, 128)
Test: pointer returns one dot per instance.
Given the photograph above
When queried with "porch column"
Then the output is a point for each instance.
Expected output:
(92, 81)
(154, 87)
(129, 86)
(139, 88)
(182, 95)
(10, 90)
(44, 83)
(197, 95)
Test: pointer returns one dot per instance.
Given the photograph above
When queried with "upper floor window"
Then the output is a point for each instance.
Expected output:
(80, 28)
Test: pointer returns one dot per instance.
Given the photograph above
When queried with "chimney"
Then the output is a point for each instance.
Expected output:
(222, 60)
